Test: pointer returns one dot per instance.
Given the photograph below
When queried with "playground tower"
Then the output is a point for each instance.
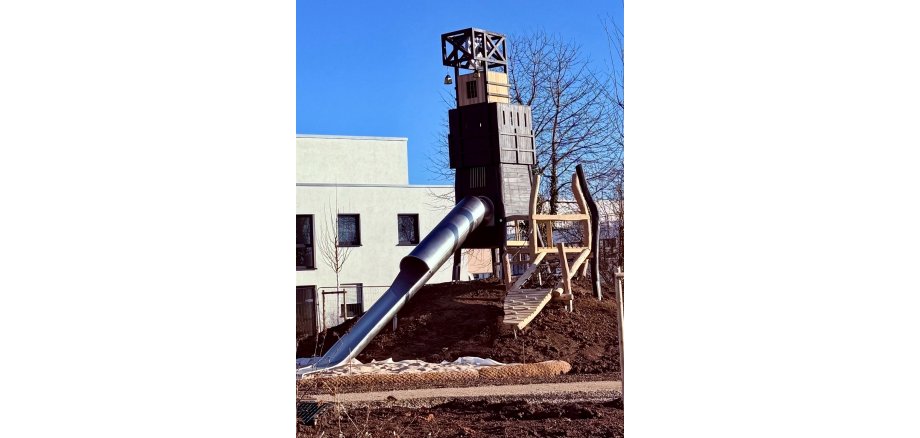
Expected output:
(491, 141)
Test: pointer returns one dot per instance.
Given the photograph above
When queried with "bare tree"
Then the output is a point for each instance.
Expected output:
(607, 185)
(570, 110)
(334, 255)
(615, 172)
(439, 162)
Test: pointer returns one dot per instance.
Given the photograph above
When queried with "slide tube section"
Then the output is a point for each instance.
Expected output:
(414, 270)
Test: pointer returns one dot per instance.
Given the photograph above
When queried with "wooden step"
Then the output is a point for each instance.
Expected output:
(522, 305)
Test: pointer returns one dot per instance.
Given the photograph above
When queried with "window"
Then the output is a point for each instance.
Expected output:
(471, 90)
(518, 269)
(354, 300)
(351, 310)
(407, 229)
(349, 230)
(305, 259)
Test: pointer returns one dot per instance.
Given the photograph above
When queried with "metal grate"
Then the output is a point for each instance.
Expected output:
(307, 412)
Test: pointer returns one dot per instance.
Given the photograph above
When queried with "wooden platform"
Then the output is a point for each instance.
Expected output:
(522, 305)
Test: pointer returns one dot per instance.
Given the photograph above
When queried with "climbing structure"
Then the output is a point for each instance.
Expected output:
(522, 304)
(491, 147)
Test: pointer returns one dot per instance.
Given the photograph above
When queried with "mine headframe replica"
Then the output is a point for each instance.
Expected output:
(491, 148)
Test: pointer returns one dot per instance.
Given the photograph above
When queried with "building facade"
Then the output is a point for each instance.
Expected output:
(356, 214)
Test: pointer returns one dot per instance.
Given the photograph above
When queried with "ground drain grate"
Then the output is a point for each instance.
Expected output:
(307, 412)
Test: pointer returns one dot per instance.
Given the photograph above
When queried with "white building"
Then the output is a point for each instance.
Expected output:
(358, 186)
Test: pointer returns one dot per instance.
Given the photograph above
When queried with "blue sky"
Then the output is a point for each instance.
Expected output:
(374, 68)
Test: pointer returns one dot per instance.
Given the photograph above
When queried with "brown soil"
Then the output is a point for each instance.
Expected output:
(447, 321)
(465, 418)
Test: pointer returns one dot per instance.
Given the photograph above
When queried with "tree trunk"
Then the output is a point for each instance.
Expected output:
(554, 169)
(553, 189)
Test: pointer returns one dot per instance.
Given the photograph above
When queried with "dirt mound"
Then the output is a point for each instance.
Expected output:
(521, 410)
(447, 321)
(585, 338)
(310, 347)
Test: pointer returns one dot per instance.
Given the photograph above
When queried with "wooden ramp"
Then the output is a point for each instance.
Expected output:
(522, 305)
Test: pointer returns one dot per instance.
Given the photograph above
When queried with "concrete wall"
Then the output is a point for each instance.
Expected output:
(479, 261)
(352, 160)
(375, 263)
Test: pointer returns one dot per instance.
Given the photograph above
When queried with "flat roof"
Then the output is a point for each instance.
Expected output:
(352, 137)
(400, 186)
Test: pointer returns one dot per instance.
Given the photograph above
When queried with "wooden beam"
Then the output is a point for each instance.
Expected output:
(506, 266)
(578, 192)
(534, 191)
(554, 251)
(577, 263)
(562, 217)
(525, 294)
(534, 264)
(494, 259)
(566, 273)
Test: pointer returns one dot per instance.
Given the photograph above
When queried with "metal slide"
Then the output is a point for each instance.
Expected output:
(414, 270)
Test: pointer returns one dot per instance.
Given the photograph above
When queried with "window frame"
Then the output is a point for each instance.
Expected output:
(418, 236)
(472, 89)
(312, 245)
(357, 230)
(359, 300)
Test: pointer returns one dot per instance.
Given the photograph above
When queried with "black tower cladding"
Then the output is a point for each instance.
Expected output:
(491, 140)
